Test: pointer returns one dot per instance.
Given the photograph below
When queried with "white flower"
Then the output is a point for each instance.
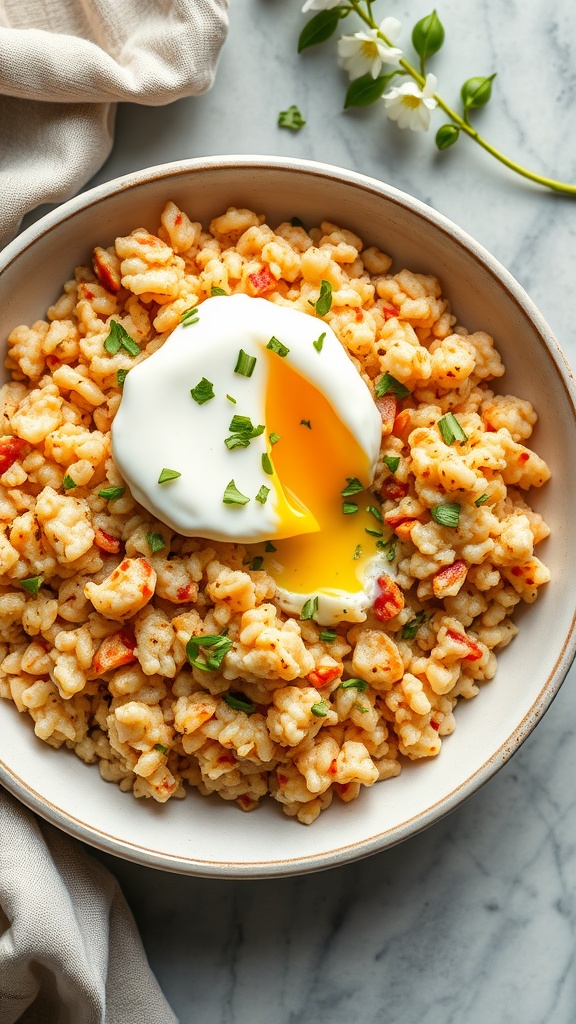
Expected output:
(410, 106)
(320, 5)
(365, 52)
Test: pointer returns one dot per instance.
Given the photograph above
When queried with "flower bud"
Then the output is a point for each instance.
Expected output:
(447, 135)
(428, 36)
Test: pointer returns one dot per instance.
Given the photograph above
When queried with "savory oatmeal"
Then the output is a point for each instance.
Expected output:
(169, 659)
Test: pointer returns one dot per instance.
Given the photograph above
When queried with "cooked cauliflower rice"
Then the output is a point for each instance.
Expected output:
(95, 619)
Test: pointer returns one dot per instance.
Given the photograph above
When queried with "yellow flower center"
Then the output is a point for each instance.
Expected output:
(411, 101)
(369, 49)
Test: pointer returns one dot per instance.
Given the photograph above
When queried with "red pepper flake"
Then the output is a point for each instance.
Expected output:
(322, 676)
(358, 314)
(523, 457)
(11, 449)
(106, 542)
(517, 570)
(475, 652)
(333, 767)
(282, 779)
(187, 593)
(178, 220)
(390, 312)
(393, 490)
(435, 725)
(390, 599)
(262, 281)
(114, 651)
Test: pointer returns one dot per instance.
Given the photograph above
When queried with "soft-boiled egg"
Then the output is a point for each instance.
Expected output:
(251, 424)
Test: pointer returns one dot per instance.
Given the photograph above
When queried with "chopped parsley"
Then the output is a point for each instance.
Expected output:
(447, 514)
(349, 508)
(111, 493)
(68, 483)
(388, 547)
(410, 628)
(190, 316)
(318, 344)
(291, 118)
(232, 496)
(243, 431)
(392, 461)
(160, 748)
(267, 464)
(358, 684)
(480, 501)
(256, 564)
(119, 338)
(238, 702)
(121, 377)
(309, 609)
(245, 364)
(274, 438)
(327, 636)
(230, 399)
(357, 552)
(373, 533)
(374, 511)
(211, 661)
(451, 430)
(353, 487)
(320, 710)
(155, 542)
(168, 474)
(32, 584)
(324, 301)
(215, 290)
(389, 384)
(276, 346)
(203, 391)
(306, 423)
(269, 546)
(262, 496)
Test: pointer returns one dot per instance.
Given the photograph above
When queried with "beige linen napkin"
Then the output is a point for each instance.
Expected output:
(64, 64)
(69, 949)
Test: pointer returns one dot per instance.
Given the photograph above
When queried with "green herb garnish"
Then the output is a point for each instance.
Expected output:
(119, 338)
(387, 384)
(267, 464)
(232, 496)
(68, 483)
(215, 290)
(32, 584)
(319, 342)
(121, 377)
(447, 514)
(358, 684)
(410, 628)
(256, 564)
(168, 474)
(230, 399)
(309, 609)
(451, 430)
(324, 301)
(160, 748)
(111, 493)
(262, 496)
(357, 552)
(361, 709)
(238, 702)
(373, 533)
(269, 546)
(203, 391)
(274, 438)
(480, 501)
(388, 547)
(327, 636)
(276, 346)
(220, 645)
(353, 487)
(349, 508)
(189, 316)
(374, 511)
(245, 364)
(243, 431)
(155, 542)
(392, 461)
(320, 710)
(306, 423)
(291, 118)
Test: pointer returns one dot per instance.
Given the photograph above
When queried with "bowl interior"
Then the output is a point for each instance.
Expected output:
(207, 836)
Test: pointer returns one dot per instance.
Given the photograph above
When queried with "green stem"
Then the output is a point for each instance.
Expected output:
(461, 123)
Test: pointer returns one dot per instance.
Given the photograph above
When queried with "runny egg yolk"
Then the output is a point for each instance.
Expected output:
(313, 461)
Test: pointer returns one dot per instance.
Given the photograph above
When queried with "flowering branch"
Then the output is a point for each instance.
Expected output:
(410, 104)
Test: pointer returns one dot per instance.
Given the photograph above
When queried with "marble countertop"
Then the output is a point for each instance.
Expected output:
(474, 919)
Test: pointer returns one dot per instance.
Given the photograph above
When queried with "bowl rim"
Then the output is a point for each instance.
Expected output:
(422, 820)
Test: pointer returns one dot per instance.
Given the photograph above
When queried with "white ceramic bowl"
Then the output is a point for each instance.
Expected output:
(208, 836)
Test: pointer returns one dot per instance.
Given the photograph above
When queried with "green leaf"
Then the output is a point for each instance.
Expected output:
(388, 383)
(447, 514)
(410, 628)
(291, 118)
(155, 542)
(374, 511)
(269, 546)
(349, 508)
(267, 464)
(392, 461)
(319, 342)
(232, 496)
(476, 92)
(309, 609)
(111, 493)
(276, 346)
(327, 636)
(119, 338)
(319, 28)
(203, 391)
(388, 547)
(324, 301)
(68, 483)
(238, 702)
(220, 644)
(357, 552)
(428, 36)
(451, 430)
(32, 584)
(168, 474)
(274, 438)
(121, 377)
(215, 290)
(357, 684)
(256, 564)
(262, 495)
(447, 135)
(366, 90)
(160, 748)
(353, 487)
(320, 710)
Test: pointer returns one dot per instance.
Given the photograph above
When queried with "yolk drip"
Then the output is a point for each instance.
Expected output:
(313, 463)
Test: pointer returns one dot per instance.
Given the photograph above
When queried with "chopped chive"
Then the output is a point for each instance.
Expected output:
(373, 533)
(451, 430)
(215, 290)
(168, 474)
(357, 552)
(68, 483)
(267, 464)
(374, 511)
(353, 487)
(210, 663)
(161, 748)
(309, 609)
(358, 684)
(32, 584)
(243, 431)
(319, 342)
(119, 338)
(121, 377)
(245, 364)
(349, 508)
(238, 702)
(447, 514)
(269, 546)
(480, 501)
(296, 222)
(203, 391)
(276, 346)
(410, 628)
(306, 423)
(256, 564)
(324, 301)
(392, 461)
(327, 636)
(155, 542)
(230, 399)
(291, 118)
(361, 709)
(388, 547)
(189, 316)
(274, 438)
(387, 384)
(232, 496)
(111, 493)
(262, 495)
(320, 710)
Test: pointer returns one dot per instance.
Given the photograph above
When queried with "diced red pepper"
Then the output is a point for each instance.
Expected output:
(322, 676)
(107, 270)
(390, 599)
(358, 313)
(187, 593)
(262, 281)
(333, 767)
(114, 651)
(449, 577)
(402, 424)
(475, 652)
(387, 406)
(390, 312)
(11, 449)
(523, 457)
(106, 542)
